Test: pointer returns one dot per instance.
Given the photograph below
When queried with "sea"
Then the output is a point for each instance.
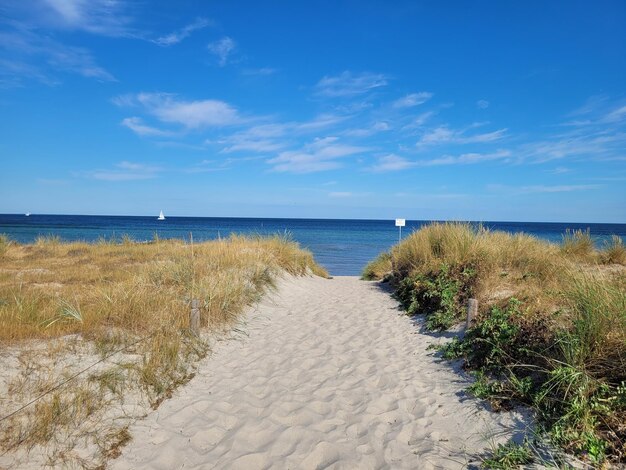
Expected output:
(342, 246)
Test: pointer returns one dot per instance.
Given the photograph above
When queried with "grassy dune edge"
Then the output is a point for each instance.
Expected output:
(551, 330)
(94, 335)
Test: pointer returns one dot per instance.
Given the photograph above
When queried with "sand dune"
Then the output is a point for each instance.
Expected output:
(326, 374)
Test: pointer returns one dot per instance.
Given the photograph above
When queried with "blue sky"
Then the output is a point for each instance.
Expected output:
(357, 109)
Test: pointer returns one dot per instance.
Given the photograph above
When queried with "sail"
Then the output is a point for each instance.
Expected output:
(161, 216)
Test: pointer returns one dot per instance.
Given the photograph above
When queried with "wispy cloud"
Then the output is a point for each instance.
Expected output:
(123, 171)
(223, 49)
(208, 166)
(559, 170)
(420, 120)
(195, 114)
(320, 155)
(263, 71)
(183, 33)
(375, 128)
(274, 136)
(349, 84)
(29, 55)
(482, 104)
(235, 144)
(340, 194)
(393, 162)
(559, 188)
(533, 189)
(414, 99)
(136, 125)
(467, 158)
(103, 17)
(445, 135)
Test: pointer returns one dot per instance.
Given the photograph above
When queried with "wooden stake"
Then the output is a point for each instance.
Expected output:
(472, 311)
(194, 316)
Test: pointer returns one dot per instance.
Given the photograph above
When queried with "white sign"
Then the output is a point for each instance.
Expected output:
(400, 222)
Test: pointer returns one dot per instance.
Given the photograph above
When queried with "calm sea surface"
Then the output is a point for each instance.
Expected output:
(343, 246)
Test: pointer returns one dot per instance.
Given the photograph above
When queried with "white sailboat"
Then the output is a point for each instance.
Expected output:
(161, 216)
(27, 214)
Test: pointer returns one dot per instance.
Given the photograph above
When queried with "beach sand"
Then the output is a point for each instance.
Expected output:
(324, 373)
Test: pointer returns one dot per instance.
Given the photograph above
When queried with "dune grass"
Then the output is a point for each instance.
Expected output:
(551, 331)
(127, 300)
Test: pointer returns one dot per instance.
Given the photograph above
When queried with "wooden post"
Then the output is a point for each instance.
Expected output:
(194, 316)
(472, 311)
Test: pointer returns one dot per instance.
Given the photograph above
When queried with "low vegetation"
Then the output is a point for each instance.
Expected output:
(551, 330)
(111, 318)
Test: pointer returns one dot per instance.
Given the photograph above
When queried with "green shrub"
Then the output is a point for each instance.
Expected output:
(440, 295)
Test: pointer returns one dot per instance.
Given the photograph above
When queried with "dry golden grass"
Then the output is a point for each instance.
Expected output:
(505, 264)
(614, 252)
(51, 288)
(578, 245)
(128, 299)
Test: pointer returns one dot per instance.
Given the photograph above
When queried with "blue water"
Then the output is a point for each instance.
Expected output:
(342, 246)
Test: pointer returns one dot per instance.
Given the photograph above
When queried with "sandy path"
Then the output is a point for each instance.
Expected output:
(330, 376)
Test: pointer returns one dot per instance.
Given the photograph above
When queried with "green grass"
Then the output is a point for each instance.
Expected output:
(509, 456)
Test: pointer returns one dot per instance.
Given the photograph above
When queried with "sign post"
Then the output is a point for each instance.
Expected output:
(400, 223)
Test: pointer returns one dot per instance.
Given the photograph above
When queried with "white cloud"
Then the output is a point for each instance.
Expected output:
(436, 136)
(320, 155)
(138, 127)
(482, 104)
(616, 115)
(274, 136)
(183, 33)
(103, 17)
(375, 128)
(466, 158)
(559, 170)
(534, 189)
(392, 162)
(222, 49)
(262, 146)
(414, 99)
(322, 121)
(340, 194)
(349, 84)
(591, 105)
(191, 114)
(263, 71)
(559, 188)
(30, 55)
(592, 144)
(443, 134)
(124, 171)
(420, 120)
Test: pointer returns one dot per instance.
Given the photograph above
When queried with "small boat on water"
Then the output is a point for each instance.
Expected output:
(161, 216)
(27, 214)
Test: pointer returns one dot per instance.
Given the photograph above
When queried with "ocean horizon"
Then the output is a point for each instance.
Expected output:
(342, 246)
